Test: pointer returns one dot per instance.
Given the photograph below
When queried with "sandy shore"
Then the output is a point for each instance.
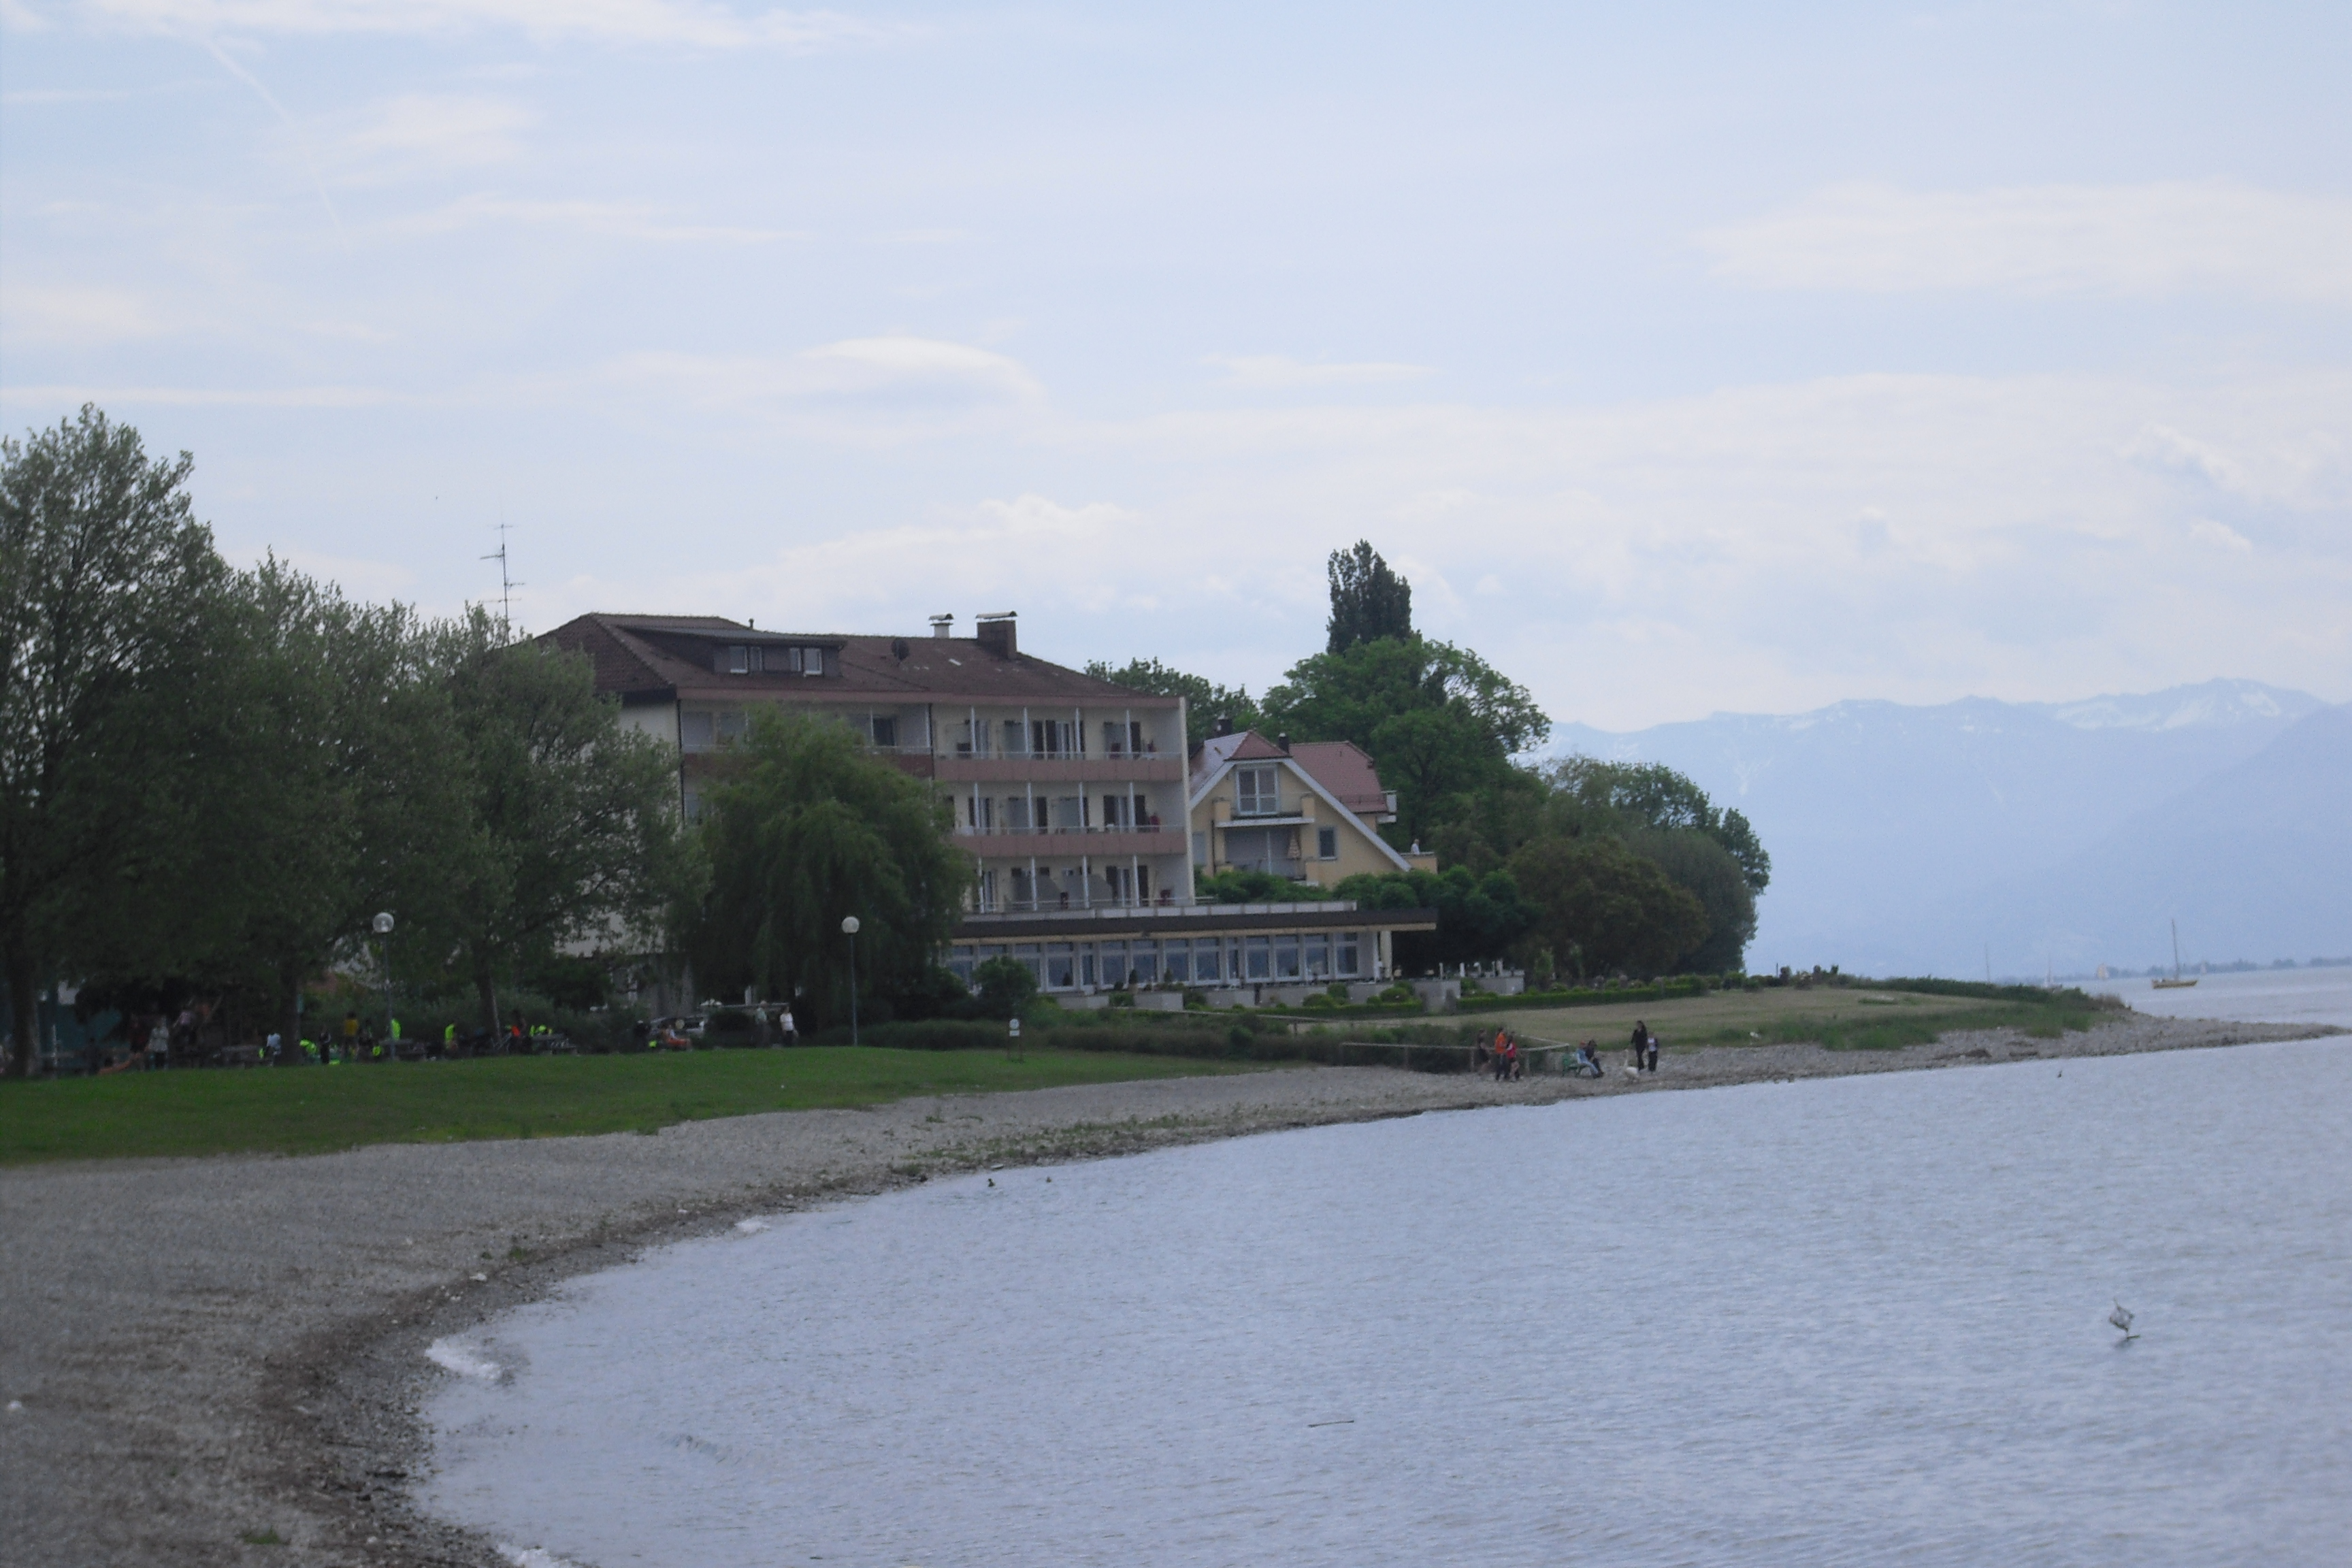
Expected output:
(195, 1353)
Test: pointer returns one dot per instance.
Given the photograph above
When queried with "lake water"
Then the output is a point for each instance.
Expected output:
(1842, 1320)
(2261, 995)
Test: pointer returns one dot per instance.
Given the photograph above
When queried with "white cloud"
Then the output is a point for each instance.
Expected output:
(427, 132)
(120, 398)
(867, 579)
(76, 314)
(1277, 373)
(695, 24)
(614, 220)
(2223, 534)
(861, 390)
(2144, 240)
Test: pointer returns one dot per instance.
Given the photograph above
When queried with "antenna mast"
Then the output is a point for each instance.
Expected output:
(507, 584)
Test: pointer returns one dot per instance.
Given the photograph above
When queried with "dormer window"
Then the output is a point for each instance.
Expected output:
(1254, 791)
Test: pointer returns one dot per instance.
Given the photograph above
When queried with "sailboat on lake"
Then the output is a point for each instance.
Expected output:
(2178, 981)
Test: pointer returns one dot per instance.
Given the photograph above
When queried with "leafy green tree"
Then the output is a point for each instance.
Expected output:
(572, 820)
(804, 826)
(1589, 793)
(1245, 884)
(1005, 985)
(1205, 703)
(105, 577)
(1479, 919)
(337, 792)
(1604, 908)
(1368, 601)
(1437, 720)
(1696, 863)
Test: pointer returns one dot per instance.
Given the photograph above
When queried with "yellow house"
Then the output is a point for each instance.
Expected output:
(1311, 812)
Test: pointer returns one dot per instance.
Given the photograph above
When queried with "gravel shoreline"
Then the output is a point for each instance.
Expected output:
(199, 1354)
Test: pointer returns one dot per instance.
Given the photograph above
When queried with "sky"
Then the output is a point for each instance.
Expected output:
(1686, 358)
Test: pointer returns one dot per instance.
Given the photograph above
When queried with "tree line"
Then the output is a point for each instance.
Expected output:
(213, 780)
(1575, 866)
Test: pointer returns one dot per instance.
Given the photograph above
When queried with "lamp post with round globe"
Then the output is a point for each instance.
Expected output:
(383, 924)
(849, 930)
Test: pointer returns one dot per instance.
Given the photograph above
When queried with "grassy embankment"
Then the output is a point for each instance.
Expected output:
(1857, 1017)
(309, 1110)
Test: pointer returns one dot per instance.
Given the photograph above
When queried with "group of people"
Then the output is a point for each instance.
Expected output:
(1501, 1055)
(1502, 1058)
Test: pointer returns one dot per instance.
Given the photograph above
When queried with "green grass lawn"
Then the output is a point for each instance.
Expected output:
(1858, 1018)
(308, 1109)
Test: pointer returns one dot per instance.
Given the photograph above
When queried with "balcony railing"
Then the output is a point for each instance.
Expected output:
(1169, 904)
(965, 832)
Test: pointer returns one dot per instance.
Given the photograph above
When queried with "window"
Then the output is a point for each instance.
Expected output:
(1061, 970)
(1026, 955)
(1176, 961)
(1318, 956)
(1254, 791)
(1201, 851)
(1207, 955)
(988, 893)
(739, 661)
(730, 727)
(1015, 743)
(695, 731)
(1346, 961)
(959, 963)
(812, 660)
(886, 731)
(1285, 957)
(1327, 844)
(1143, 960)
(1069, 812)
(1257, 952)
(1113, 963)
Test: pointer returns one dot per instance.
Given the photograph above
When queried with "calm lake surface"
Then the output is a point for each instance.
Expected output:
(2261, 995)
(1848, 1321)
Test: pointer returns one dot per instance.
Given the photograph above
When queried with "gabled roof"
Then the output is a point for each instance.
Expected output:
(1342, 769)
(670, 656)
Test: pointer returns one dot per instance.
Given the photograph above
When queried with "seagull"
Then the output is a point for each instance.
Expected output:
(2122, 1319)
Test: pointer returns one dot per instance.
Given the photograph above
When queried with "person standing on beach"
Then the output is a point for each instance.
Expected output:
(1650, 1049)
(1641, 1040)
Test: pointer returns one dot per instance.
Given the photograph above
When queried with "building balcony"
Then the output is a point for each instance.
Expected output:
(961, 767)
(1062, 843)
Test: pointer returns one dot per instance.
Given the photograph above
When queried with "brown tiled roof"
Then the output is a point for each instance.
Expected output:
(1342, 768)
(671, 655)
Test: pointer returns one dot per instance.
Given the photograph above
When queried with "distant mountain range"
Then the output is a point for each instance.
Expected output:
(2059, 835)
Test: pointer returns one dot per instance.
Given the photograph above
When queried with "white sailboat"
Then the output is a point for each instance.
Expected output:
(2178, 982)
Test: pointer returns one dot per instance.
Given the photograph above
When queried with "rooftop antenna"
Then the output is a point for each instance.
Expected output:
(507, 584)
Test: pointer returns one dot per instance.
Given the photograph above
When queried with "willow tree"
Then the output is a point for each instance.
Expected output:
(802, 826)
(571, 822)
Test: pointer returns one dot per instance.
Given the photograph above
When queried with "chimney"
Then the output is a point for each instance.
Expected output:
(996, 633)
(1284, 741)
(1224, 724)
(943, 626)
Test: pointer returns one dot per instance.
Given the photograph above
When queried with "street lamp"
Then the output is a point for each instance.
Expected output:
(849, 930)
(383, 923)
